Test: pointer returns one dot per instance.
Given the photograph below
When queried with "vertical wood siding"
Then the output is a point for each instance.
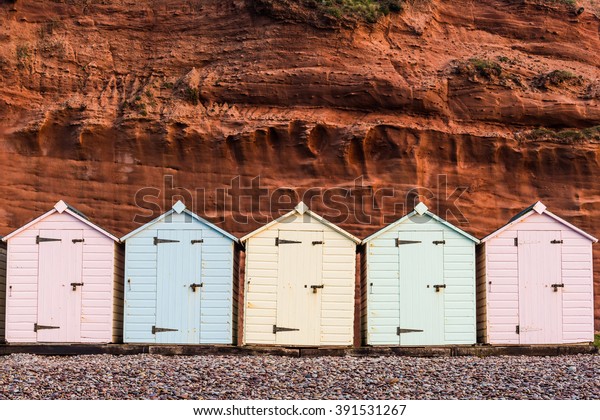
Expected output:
(502, 271)
(2, 290)
(261, 280)
(383, 296)
(97, 276)
(141, 282)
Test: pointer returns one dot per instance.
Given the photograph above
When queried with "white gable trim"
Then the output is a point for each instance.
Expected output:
(302, 209)
(427, 213)
(537, 211)
(62, 210)
(179, 210)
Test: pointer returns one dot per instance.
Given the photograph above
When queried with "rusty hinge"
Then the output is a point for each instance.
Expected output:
(37, 327)
(403, 242)
(74, 285)
(285, 241)
(557, 285)
(406, 330)
(197, 241)
(314, 287)
(39, 239)
(556, 241)
(76, 241)
(516, 241)
(443, 242)
(318, 242)
(439, 286)
(277, 329)
(163, 241)
(195, 285)
(159, 330)
(518, 329)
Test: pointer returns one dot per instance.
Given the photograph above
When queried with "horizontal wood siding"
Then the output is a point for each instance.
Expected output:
(97, 276)
(481, 295)
(577, 275)
(339, 262)
(2, 291)
(141, 282)
(118, 293)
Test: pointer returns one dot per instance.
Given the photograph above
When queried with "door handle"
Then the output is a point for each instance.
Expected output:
(74, 285)
(314, 287)
(195, 285)
(439, 286)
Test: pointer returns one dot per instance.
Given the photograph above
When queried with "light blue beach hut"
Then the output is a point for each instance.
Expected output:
(181, 281)
(418, 283)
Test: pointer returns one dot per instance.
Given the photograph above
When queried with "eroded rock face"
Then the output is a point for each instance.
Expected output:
(102, 99)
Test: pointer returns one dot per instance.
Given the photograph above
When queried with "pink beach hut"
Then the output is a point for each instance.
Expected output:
(64, 281)
(535, 281)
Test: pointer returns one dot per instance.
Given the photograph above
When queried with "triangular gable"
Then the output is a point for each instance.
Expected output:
(537, 208)
(302, 209)
(62, 207)
(179, 208)
(421, 210)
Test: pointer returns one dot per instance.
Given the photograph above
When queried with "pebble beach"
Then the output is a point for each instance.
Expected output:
(146, 376)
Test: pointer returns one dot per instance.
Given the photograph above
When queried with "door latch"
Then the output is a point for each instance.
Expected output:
(195, 285)
(557, 285)
(74, 285)
(439, 286)
(314, 287)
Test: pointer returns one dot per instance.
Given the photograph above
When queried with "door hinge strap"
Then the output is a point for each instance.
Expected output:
(285, 241)
(39, 239)
(76, 241)
(403, 242)
(277, 329)
(37, 327)
(439, 286)
(163, 241)
(159, 330)
(443, 242)
(556, 241)
(406, 330)
(318, 242)
(197, 241)
(557, 285)
(74, 285)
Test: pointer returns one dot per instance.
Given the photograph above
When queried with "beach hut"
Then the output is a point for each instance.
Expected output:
(181, 275)
(64, 281)
(535, 281)
(418, 283)
(2, 290)
(300, 282)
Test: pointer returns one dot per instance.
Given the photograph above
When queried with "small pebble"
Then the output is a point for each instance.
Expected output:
(146, 376)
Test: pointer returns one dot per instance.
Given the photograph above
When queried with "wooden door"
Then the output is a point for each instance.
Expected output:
(179, 286)
(299, 286)
(540, 304)
(421, 268)
(60, 285)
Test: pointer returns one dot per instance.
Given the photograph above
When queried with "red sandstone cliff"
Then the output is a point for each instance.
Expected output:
(101, 98)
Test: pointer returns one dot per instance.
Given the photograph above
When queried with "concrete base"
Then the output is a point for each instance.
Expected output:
(220, 350)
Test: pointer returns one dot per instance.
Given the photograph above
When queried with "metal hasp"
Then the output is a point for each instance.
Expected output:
(403, 242)
(277, 329)
(556, 241)
(317, 242)
(406, 330)
(37, 327)
(159, 330)
(439, 242)
(197, 241)
(557, 285)
(163, 241)
(195, 285)
(74, 285)
(76, 241)
(285, 241)
(39, 239)
(439, 286)
(314, 287)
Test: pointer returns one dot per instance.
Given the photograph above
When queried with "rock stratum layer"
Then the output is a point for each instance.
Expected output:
(103, 101)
